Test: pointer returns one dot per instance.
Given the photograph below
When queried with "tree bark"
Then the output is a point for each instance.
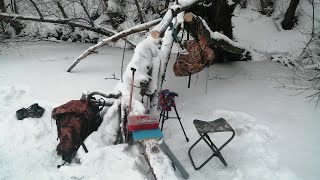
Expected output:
(288, 21)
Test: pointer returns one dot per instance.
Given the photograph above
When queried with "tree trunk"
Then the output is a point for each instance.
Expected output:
(2, 6)
(37, 9)
(61, 9)
(289, 19)
(139, 11)
(166, 4)
(13, 23)
(87, 13)
(3, 10)
(13, 6)
(218, 16)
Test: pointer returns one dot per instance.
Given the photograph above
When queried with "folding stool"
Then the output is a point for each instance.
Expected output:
(203, 128)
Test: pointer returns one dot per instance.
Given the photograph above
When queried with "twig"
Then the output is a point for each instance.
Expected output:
(217, 77)
(114, 77)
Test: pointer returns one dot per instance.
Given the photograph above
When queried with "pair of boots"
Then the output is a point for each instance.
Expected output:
(33, 111)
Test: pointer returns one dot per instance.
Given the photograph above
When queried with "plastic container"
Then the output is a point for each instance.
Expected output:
(142, 122)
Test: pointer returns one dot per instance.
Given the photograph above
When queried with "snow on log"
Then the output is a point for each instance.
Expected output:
(159, 162)
(113, 38)
(215, 38)
(69, 22)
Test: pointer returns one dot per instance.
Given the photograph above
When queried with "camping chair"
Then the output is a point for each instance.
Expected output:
(203, 128)
(166, 101)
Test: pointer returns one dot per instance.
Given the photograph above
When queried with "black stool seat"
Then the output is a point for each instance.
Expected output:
(205, 127)
(219, 125)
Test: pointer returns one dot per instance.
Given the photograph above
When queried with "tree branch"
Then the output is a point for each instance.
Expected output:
(139, 11)
(86, 11)
(113, 38)
(37, 9)
(61, 9)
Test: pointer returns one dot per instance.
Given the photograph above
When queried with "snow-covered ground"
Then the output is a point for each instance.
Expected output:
(276, 129)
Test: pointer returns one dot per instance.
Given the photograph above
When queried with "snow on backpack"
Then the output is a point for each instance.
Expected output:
(198, 57)
(75, 121)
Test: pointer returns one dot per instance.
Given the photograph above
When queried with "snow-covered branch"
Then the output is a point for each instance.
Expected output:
(69, 22)
(113, 38)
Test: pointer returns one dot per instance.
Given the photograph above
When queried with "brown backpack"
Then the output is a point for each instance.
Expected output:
(75, 121)
(198, 57)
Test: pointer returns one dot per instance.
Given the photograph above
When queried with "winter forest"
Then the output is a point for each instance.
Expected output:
(159, 89)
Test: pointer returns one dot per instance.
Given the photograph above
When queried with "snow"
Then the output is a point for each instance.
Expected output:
(270, 123)
(276, 128)
(265, 35)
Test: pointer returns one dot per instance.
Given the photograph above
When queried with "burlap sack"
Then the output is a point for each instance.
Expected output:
(199, 55)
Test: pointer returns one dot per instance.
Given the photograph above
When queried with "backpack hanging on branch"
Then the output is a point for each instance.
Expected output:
(198, 57)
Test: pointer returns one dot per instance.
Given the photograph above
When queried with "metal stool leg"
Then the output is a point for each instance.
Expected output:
(181, 123)
(214, 148)
(163, 118)
(160, 116)
(192, 162)
(216, 151)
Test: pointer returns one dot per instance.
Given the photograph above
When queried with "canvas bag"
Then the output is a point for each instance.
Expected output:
(198, 57)
(75, 121)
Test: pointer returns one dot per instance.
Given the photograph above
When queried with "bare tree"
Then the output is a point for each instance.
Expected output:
(289, 19)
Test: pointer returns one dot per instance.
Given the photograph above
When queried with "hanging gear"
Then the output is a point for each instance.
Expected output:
(200, 55)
